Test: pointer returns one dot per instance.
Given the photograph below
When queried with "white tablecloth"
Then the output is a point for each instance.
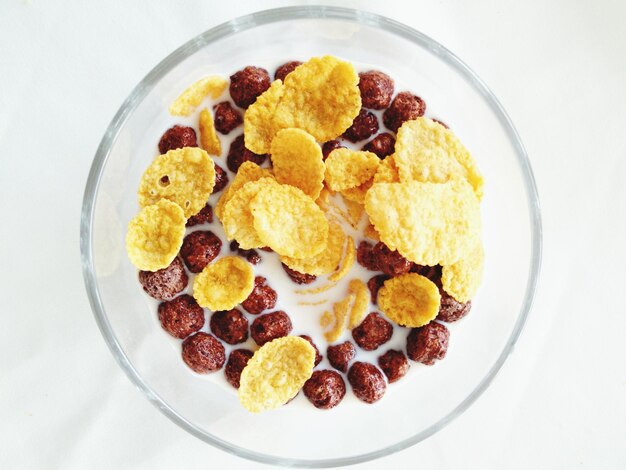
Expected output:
(558, 67)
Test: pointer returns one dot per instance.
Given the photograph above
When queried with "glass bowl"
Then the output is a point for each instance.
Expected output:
(412, 409)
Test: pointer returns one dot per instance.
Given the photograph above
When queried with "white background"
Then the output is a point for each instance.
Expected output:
(559, 69)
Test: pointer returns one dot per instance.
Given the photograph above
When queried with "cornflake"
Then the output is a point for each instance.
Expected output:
(409, 300)
(224, 284)
(189, 99)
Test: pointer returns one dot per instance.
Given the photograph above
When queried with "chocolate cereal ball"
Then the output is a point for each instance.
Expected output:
(394, 364)
(374, 285)
(221, 179)
(373, 332)
(376, 89)
(237, 361)
(247, 84)
(382, 145)
(286, 69)
(177, 137)
(227, 118)
(368, 383)
(252, 256)
(199, 249)
(238, 153)
(165, 283)
(363, 126)
(203, 353)
(365, 256)
(230, 326)
(318, 357)
(390, 262)
(340, 355)
(404, 107)
(298, 277)
(181, 316)
(262, 297)
(329, 147)
(325, 389)
(270, 326)
(450, 309)
(205, 216)
(428, 343)
(431, 272)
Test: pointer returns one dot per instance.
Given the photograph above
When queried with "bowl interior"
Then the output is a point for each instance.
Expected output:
(412, 409)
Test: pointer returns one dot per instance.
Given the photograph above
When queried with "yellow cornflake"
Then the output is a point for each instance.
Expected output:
(387, 171)
(358, 194)
(320, 97)
(289, 221)
(347, 263)
(361, 301)
(326, 261)
(346, 168)
(355, 211)
(409, 300)
(248, 172)
(340, 313)
(461, 279)
(371, 233)
(259, 127)
(189, 99)
(224, 284)
(428, 152)
(427, 223)
(316, 290)
(297, 160)
(185, 176)
(318, 302)
(275, 373)
(155, 235)
(209, 140)
(237, 218)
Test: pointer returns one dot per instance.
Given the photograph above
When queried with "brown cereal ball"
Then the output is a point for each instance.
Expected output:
(262, 297)
(230, 326)
(205, 216)
(382, 145)
(373, 332)
(286, 69)
(325, 389)
(368, 382)
(431, 272)
(340, 355)
(237, 361)
(250, 255)
(450, 309)
(221, 179)
(427, 343)
(376, 89)
(363, 126)
(318, 357)
(394, 364)
(404, 107)
(329, 147)
(199, 249)
(374, 285)
(365, 256)
(238, 153)
(390, 262)
(177, 137)
(227, 118)
(181, 317)
(165, 283)
(270, 326)
(247, 84)
(203, 353)
(298, 277)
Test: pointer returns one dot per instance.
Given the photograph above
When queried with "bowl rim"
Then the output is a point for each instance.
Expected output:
(226, 29)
